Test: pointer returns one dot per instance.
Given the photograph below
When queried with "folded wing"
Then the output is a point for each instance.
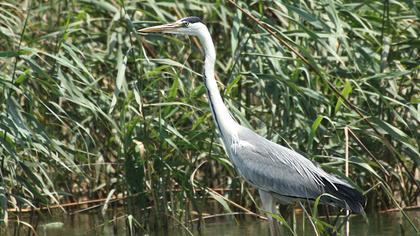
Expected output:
(288, 175)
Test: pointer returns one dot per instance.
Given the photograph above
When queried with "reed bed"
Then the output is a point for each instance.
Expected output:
(89, 109)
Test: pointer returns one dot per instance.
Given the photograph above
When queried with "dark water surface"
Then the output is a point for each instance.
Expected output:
(385, 224)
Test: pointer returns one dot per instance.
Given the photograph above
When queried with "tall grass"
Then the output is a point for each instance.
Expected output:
(89, 107)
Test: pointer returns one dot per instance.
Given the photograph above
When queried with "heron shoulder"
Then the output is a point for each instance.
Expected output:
(238, 143)
(261, 157)
(288, 175)
(261, 163)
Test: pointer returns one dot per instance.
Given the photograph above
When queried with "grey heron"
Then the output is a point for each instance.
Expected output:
(279, 173)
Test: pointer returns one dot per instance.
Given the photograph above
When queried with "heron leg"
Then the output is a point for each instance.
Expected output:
(269, 205)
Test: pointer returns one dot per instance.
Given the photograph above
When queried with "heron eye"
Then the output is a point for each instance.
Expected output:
(186, 24)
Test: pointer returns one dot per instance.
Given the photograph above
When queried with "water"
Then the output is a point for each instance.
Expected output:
(386, 224)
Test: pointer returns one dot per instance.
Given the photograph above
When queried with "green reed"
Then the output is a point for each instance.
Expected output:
(89, 107)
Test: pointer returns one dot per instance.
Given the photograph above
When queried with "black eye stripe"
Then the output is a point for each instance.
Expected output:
(191, 19)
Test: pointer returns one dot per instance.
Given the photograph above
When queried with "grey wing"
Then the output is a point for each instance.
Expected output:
(277, 169)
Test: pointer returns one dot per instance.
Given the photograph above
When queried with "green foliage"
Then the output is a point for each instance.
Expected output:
(83, 95)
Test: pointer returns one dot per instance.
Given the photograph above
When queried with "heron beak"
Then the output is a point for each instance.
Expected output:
(161, 28)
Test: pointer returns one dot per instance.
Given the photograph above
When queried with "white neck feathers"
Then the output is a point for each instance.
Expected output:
(224, 121)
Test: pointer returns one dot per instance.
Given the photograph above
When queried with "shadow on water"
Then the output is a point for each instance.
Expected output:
(385, 224)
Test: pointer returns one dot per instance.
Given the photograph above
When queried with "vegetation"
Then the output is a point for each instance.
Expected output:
(91, 110)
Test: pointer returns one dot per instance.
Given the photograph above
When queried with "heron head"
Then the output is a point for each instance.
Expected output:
(187, 26)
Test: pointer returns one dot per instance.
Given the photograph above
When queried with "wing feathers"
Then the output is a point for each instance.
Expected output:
(277, 169)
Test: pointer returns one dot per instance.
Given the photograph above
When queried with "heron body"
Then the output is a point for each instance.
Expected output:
(278, 173)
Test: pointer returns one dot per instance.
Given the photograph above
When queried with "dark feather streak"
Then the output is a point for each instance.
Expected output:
(191, 19)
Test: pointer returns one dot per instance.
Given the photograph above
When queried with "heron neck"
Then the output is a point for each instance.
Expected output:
(224, 121)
